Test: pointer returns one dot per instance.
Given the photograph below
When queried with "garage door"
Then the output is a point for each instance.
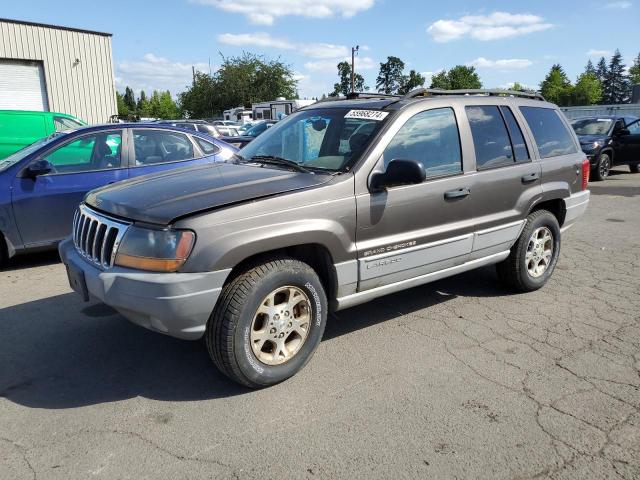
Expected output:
(22, 86)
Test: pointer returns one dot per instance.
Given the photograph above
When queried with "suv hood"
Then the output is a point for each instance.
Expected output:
(162, 198)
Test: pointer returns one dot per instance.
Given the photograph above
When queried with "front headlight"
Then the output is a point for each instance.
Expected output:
(155, 250)
(595, 145)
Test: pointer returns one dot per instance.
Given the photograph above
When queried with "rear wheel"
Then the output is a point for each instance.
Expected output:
(635, 168)
(601, 172)
(534, 256)
(268, 322)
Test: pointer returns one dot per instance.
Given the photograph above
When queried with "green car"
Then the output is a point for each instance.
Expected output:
(19, 128)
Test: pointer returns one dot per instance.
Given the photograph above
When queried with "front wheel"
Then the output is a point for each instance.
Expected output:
(635, 168)
(268, 322)
(534, 256)
(601, 172)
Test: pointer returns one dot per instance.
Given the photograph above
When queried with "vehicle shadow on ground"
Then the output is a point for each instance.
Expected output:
(30, 260)
(58, 352)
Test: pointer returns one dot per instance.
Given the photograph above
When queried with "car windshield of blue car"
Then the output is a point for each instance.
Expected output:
(592, 126)
(26, 151)
(330, 139)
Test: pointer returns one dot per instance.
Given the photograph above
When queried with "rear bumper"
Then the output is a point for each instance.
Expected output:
(176, 304)
(575, 205)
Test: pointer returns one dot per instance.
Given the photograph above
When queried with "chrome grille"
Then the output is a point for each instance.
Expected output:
(96, 236)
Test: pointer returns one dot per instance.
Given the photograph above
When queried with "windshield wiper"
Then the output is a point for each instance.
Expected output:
(273, 160)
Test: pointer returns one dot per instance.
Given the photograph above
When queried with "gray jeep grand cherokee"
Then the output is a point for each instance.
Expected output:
(342, 202)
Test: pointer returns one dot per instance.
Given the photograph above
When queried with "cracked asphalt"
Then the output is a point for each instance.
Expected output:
(456, 379)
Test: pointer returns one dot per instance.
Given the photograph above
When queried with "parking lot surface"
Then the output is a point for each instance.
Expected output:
(455, 379)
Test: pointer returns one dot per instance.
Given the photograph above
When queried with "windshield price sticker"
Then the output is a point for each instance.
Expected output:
(367, 114)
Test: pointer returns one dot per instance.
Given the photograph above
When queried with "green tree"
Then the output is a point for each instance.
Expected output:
(601, 69)
(123, 109)
(459, 77)
(634, 71)
(616, 85)
(411, 81)
(130, 99)
(556, 87)
(587, 90)
(590, 68)
(240, 80)
(143, 108)
(390, 76)
(161, 105)
(343, 87)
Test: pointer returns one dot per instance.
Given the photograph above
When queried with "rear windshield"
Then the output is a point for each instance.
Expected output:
(549, 131)
(330, 139)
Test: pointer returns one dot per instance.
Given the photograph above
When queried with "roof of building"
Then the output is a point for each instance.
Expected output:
(57, 27)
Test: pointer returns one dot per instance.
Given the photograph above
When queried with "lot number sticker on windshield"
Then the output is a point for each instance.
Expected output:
(367, 114)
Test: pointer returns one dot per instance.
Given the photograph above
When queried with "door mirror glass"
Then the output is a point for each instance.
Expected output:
(39, 167)
(399, 172)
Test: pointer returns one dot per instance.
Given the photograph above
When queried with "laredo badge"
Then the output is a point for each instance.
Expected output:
(367, 114)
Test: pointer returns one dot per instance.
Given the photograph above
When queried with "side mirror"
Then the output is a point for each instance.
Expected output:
(399, 172)
(623, 131)
(39, 167)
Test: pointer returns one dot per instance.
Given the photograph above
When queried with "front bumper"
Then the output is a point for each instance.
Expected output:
(176, 304)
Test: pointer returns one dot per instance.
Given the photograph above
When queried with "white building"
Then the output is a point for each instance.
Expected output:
(58, 69)
(277, 108)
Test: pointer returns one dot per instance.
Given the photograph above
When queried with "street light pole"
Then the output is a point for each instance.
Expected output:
(354, 50)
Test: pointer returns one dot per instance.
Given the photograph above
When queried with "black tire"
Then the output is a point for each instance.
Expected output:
(513, 271)
(4, 255)
(229, 327)
(635, 168)
(601, 172)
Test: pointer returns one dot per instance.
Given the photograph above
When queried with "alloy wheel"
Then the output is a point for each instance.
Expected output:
(539, 252)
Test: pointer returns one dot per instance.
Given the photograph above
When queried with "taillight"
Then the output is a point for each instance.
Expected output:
(586, 168)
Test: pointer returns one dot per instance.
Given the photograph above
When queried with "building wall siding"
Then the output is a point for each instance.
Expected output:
(85, 90)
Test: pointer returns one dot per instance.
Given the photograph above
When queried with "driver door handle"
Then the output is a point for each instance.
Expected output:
(531, 177)
(457, 193)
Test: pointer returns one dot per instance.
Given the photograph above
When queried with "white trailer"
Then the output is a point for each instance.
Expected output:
(278, 108)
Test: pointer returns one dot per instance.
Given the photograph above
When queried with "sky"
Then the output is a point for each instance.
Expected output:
(156, 43)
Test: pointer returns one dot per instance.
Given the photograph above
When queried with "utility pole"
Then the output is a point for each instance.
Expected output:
(354, 50)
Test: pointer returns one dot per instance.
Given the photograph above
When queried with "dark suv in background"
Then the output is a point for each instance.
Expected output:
(609, 141)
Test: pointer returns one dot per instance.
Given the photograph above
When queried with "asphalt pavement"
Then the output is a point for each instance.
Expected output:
(455, 379)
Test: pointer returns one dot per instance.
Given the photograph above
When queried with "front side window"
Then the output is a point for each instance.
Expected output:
(207, 148)
(324, 138)
(100, 151)
(430, 137)
(549, 131)
(490, 137)
(634, 127)
(158, 146)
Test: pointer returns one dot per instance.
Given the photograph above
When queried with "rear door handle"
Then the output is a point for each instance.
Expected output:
(457, 193)
(531, 177)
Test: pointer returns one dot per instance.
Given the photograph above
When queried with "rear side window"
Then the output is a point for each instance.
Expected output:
(490, 137)
(430, 137)
(634, 127)
(549, 131)
(517, 140)
(160, 146)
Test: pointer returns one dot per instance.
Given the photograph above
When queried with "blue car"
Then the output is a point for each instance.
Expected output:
(42, 184)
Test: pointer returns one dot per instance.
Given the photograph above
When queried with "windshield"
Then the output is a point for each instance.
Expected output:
(26, 151)
(329, 139)
(592, 126)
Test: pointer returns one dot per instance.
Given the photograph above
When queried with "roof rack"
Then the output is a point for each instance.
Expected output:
(353, 95)
(426, 92)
